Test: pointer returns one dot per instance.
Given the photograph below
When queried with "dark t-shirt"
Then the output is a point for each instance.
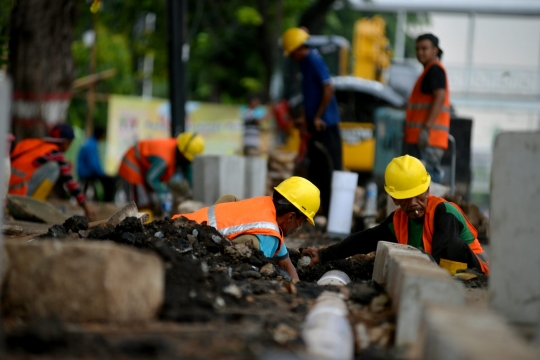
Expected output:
(435, 79)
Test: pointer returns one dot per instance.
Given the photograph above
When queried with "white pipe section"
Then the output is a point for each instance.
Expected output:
(327, 332)
(342, 202)
(334, 277)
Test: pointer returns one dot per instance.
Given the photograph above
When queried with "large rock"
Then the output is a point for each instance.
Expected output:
(83, 281)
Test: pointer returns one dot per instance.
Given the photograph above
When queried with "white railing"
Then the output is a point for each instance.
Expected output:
(494, 80)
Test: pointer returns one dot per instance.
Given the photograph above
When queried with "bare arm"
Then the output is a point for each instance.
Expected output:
(436, 107)
(328, 92)
(287, 265)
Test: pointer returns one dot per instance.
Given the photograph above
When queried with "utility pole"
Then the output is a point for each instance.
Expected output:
(91, 94)
(178, 58)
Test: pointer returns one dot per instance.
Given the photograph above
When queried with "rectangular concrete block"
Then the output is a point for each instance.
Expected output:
(82, 281)
(216, 175)
(514, 227)
(256, 170)
(384, 249)
(395, 274)
(449, 332)
(418, 284)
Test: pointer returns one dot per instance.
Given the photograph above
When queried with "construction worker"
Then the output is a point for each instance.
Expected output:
(264, 221)
(427, 122)
(36, 165)
(430, 223)
(89, 168)
(321, 113)
(149, 164)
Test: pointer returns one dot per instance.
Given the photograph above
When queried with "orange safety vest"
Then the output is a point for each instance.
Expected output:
(401, 227)
(256, 216)
(135, 162)
(22, 163)
(417, 112)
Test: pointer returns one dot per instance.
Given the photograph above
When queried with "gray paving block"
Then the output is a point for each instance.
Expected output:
(449, 332)
(384, 249)
(216, 175)
(255, 181)
(514, 227)
(418, 284)
(394, 271)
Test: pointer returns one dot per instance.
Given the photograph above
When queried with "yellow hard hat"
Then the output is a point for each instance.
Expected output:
(190, 144)
(301, 193)
(292, 39)
(406, 177)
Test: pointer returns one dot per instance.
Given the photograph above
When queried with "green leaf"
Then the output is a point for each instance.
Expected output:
(249, 16)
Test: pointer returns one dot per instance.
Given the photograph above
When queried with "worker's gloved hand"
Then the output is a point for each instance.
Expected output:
(423, 139)
(313, 253)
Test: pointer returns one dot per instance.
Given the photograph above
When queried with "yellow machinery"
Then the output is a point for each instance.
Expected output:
(371, 48)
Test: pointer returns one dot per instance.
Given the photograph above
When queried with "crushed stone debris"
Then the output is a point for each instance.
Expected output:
(210, 280)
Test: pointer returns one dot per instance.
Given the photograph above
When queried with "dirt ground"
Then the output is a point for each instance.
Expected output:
(227, 308)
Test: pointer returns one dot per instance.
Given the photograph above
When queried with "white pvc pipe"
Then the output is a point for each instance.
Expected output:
(341, 202)
(327, 331)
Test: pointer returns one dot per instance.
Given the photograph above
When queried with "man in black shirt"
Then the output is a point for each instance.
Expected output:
(426, 222)
(428, 111)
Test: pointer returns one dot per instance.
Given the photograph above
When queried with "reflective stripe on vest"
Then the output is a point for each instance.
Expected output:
(256, 216)
(401, 228)
(418, 109)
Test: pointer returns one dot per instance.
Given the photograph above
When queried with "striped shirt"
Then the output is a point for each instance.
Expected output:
(65, 173)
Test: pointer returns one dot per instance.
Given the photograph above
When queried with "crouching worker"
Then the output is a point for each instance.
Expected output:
(150, 164)
(430, 223)
(36, 165)
(265, 220)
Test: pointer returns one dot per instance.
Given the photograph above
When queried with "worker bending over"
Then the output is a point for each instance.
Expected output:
(149, 164)
(265, 220)
(36, 165)
(430, 223)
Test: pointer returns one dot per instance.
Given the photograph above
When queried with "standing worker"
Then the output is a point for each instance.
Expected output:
(320, 110)
(264, 221)
(36, 165)
(150, 163)
(252, 116)
(427, 122)
(430, 223)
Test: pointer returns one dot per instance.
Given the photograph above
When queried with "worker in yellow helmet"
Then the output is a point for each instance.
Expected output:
(321, 114)
(149, 164)
(430, 223)
(264, 221)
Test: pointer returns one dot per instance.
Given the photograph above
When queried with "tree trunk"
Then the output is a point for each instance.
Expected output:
(314, 17)
(40, 64)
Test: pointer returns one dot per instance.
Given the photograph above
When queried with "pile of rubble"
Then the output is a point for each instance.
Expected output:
(210, 280)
